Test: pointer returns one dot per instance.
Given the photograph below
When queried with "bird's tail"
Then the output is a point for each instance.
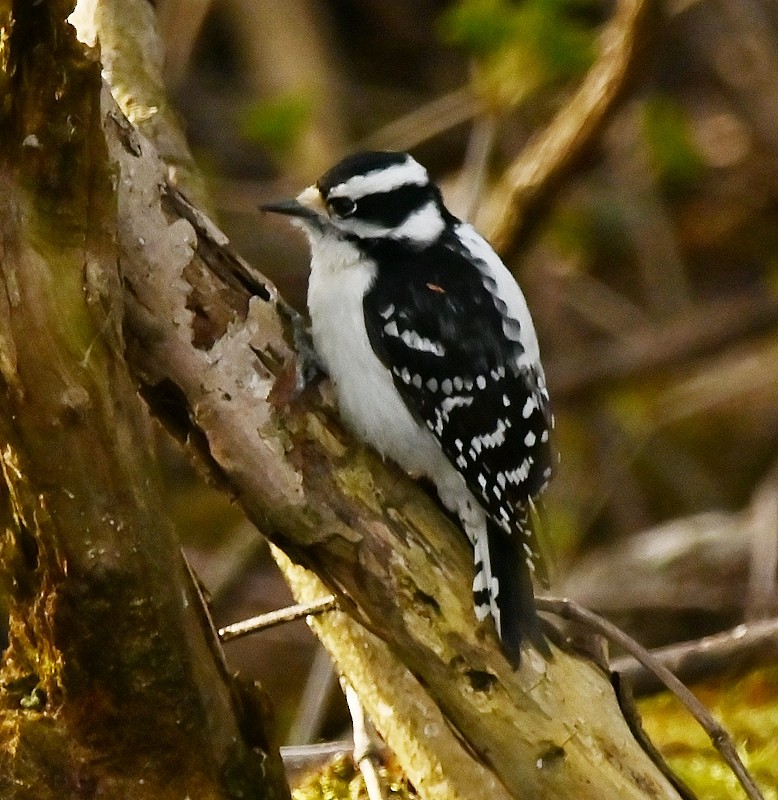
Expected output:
(503, 590)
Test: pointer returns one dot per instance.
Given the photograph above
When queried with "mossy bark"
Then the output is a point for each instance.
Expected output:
(112, 684)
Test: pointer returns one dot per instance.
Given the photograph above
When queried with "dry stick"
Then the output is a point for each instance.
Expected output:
(552, 151)
(273, 618)
(703, 328)
(722, 741)
(706, 655)
(431, 119)
(472, 178)
(567, 609)
(366, 750)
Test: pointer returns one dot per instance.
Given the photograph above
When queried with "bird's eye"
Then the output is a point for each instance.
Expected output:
(342, 206)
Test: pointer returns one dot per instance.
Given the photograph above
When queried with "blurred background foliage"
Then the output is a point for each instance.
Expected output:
(652, 277)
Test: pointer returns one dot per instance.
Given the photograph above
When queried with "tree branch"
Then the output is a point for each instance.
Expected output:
(112, 682)
(528, 183)
(752, 641)
(208, 339)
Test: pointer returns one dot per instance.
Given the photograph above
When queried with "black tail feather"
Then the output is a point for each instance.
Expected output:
(516, 600)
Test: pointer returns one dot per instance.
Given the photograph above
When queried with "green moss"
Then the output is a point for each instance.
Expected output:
(748, 709)
(354, 476)
(340, 779)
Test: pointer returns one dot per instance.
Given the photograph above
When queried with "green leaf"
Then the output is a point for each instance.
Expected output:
(277, 123)
(678, 162)
(522, 47)
(479, 27)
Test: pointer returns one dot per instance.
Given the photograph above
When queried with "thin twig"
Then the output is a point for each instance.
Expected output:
(366, 749)
(722, 741)
(704, 656)
(472, 178)
(429, 120)
(273, 618)
(551, 152)
(302, 757)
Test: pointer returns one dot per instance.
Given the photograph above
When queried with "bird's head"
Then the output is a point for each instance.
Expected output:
(371, 196)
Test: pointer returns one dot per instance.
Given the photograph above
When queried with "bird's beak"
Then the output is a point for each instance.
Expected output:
(307, 205)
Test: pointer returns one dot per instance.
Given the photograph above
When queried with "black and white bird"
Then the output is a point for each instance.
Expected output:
(434, 359)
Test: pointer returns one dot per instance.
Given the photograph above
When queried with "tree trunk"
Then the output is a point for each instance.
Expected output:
(113, 684)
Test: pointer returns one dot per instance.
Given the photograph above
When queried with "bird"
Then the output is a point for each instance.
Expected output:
(434, 359)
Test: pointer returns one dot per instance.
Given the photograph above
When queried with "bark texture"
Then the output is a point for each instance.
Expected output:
(113, 684)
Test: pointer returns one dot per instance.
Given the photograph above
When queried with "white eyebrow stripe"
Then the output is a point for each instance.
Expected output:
(421, 227)
(410, 172)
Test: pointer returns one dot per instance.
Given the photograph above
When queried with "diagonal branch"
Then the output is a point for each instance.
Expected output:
(529, 181)
(207, 338)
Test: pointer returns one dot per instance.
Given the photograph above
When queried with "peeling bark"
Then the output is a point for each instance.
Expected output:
(112, 685)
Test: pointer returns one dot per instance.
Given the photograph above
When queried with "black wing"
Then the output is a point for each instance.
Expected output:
(433, 320)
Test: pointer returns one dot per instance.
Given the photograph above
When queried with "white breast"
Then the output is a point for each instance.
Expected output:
(368, 401)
